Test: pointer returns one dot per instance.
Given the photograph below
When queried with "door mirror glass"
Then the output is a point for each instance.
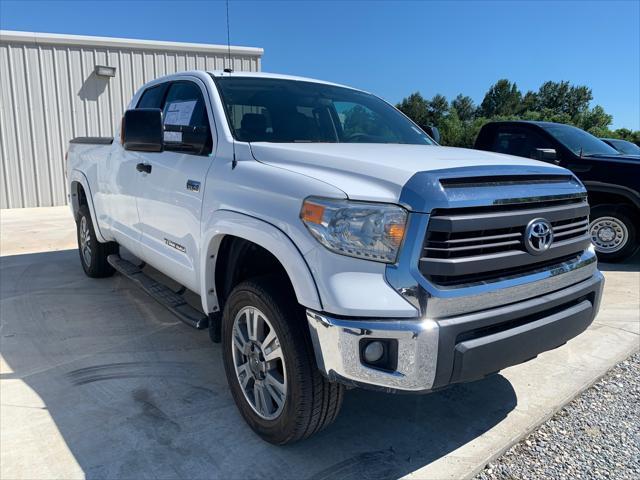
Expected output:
(548, 155)
(432, 131)
(142, 130)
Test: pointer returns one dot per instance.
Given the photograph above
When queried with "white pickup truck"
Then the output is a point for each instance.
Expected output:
(332, 242)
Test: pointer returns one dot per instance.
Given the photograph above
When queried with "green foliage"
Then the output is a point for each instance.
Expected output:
(561, 98)
(560, 102)
(415, 107)
(502, 99)
(465, 108)
(438, 108)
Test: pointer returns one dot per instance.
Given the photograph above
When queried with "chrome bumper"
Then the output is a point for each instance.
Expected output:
(337, 348)
(433, 353)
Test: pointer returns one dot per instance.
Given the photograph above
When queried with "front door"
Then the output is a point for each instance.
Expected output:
(120, 181)
(171, 192)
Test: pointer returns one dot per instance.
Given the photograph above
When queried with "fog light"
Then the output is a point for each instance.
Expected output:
(373, 352)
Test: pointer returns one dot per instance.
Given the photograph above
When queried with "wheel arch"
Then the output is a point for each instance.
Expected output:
(601, 193)
(81, 195)
(229, 237)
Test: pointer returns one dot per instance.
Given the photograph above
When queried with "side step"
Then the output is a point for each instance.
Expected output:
(174, 302)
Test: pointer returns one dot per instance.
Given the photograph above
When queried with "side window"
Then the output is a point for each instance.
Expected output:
(519, 142)
(185, 119)
(152, 97)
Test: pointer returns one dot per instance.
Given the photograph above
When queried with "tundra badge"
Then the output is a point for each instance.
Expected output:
(175, 245)
(193, 186)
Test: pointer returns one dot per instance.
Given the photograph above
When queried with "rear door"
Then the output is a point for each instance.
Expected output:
(170, 195)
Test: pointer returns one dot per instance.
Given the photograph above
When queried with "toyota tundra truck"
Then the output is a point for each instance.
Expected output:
(332, 242)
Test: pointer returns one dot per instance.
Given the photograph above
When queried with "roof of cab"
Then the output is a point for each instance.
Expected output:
(221, 74)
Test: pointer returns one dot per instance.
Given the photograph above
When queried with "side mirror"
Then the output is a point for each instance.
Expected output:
(548, 155)
(142, 130)
(432, 131)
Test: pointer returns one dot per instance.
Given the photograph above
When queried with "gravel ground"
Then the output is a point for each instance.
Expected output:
(597, 435)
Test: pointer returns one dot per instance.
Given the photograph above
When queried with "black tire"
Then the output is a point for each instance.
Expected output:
(624, 221)
(94, 264)
(311, 401)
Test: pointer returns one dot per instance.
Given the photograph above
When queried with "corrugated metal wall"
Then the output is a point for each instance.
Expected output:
(49, 94)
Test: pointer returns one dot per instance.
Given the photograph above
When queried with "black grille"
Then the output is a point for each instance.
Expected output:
(484, 243)
(499, 180)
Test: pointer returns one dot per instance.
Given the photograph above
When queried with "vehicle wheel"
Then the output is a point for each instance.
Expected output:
(270, 366)
(93, 254)
(613, 232)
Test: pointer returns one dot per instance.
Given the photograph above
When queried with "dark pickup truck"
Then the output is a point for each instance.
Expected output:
(612, 179)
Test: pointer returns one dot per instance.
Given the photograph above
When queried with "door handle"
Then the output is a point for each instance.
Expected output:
(143, 167)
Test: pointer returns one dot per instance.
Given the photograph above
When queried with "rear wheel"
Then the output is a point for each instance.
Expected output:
(269, 364)
(93, 254)
(613, 232)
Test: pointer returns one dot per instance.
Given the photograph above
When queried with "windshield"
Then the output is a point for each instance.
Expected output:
(624, 146)
(288, 111)
(579, 141)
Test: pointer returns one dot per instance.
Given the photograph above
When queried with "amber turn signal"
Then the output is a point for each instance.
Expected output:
(396, 232)
(311, 212)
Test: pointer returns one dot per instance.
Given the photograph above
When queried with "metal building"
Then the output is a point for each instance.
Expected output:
(56, 87)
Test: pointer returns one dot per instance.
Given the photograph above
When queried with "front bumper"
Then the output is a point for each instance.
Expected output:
(433, 353)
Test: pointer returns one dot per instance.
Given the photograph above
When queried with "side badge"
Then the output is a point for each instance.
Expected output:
(175, 245)
(193, 186)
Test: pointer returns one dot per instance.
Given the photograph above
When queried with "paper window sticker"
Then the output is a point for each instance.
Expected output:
(173, 137)
(179, 113)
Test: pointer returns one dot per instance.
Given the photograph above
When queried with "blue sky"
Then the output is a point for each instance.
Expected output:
(391, 48)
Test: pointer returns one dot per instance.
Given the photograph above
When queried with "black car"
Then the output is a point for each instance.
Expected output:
(623, 146)
(612, 178)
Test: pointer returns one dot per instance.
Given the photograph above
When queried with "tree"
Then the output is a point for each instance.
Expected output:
(416, 107)
(451, 129)
(503, 99)
(529, 102)
(595, 121)
(437, 109)
(464, 107)
(563, 98)
(558, 102)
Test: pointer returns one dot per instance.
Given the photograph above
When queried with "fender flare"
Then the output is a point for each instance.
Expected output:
(78, 176)
(626, 192)
(269, 237)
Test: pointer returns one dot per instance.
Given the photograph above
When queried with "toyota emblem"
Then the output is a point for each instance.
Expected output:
(538, 236)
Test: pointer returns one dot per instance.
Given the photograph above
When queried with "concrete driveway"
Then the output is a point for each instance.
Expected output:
(99, 381)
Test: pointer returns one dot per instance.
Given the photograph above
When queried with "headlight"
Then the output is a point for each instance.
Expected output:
(365, 230)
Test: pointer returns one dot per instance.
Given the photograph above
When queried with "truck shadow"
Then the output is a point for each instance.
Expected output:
(98, 370)
(630, 265)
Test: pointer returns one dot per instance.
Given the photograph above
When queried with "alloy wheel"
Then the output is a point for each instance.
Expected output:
(85, 241)
(259, 363)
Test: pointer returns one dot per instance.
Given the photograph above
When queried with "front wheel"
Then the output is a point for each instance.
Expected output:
(269, 364)
(613, 232)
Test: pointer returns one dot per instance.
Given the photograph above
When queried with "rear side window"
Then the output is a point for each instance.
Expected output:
(152, 97)
(519, 142)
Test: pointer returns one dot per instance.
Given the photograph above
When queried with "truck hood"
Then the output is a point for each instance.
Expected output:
(379, 172)
(622, 158)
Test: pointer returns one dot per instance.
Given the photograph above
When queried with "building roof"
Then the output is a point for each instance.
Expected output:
(85, 40)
